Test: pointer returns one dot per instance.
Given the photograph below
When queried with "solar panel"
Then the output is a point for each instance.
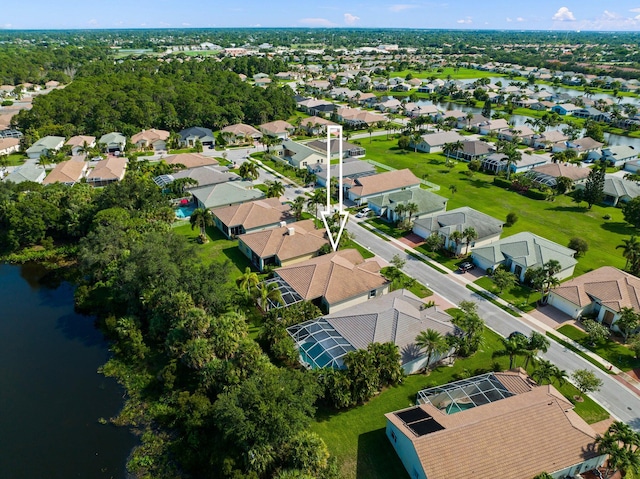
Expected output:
(419, 421)
(412, 415)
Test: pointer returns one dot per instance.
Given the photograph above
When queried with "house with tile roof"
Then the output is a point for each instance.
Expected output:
(151, 139)
(361, 189)
(225, 194)
(386, 204)
(486, 227)
(240, 134)
(9, 145)
(189, 137)
(279, 129)
(67, 172)
(335, 281)
(299, 155)
(581, 145)
(283, 245)
(251, 216)
(316, 125)
(45, 145)
(351, 168)
(349, 150)
(494, 425)
(397, 317)
(27, 172)
(548, 173)
(603, 291)
(357, 118)
(614, 155)
(113, 142)
(190, 160)
(523, 251)
(79, 142)
(107, 171)
(434, 142)
(471, 150)
(618, 190)
(548, 138)
(497, 162)
(201, 176)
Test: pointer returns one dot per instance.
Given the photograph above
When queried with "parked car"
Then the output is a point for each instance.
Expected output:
(466, 266)
(516, 334)
(361, 215)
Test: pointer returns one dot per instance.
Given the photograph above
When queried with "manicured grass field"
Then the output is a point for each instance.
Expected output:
(453, 73)
(558, 221)
(521, 296)
(16, 159)
(614, 352)
(357, 438)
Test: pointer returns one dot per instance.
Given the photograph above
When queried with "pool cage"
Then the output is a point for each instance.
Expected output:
(287, 293)
(319, 344)
(465, 393)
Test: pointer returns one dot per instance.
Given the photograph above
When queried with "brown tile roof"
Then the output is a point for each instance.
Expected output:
(190, 160)
(513, 438)
(276, 127)
(316, 120)
(150, 136)
(390, 180)
(241, 129)
(68, 171)
(336, 276)
(112, 168)
(556, 170)
(79, 140)
(8, 143)
(613, 287)
(279, 242)
(254, 214)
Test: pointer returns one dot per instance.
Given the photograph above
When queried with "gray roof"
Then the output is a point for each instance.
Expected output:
(619, 152)
(206, 175)
(527, 249)
(351, 168)
(198, 132)
(460, 219)
(297, 152)
(113, 137)
(427, 202)
(27, 172)
(619, 188)
(321, 146)
(46, 143)
(229, 193)
(439, 139)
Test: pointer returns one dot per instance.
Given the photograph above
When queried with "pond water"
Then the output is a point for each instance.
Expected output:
(51, 396)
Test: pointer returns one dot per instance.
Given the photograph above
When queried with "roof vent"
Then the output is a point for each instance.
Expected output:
(283, 224)
(292, 231)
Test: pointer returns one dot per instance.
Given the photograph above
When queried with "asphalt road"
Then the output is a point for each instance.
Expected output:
(619, 400)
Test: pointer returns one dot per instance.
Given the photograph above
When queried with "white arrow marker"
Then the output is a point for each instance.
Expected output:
(342, 215)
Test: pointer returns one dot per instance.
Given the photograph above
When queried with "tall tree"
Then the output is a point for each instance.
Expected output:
(297, 206)
(594, 186)
(249, 170)
(511, 347)
(631, 252)
(247, 280)
(433, 343)
(201, 218)
(469, 234)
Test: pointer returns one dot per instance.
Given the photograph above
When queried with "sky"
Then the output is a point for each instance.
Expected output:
(581, 15)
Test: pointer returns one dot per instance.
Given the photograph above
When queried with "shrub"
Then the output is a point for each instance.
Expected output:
(511, 219)
(501, 182)
(606, 217)
(535, 194)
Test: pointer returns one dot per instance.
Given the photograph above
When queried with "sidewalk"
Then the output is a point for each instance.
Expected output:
(624, 378)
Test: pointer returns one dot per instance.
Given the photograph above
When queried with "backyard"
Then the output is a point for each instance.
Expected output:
(357, 437)
(558, 220)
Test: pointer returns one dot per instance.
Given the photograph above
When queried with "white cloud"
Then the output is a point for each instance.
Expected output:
(634, 10)
(564, 15)
(316, 22)
(185, 24)
(509, 20)
(93, 22)
(519, 19)
(6, 25)
(400, 7)
(465, 20)
(350, 19)
(610, 21)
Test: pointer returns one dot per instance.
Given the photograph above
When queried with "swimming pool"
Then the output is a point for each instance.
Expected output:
(455, 407)
(183, 212)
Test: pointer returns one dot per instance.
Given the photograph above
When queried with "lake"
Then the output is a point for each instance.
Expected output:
(51, 396)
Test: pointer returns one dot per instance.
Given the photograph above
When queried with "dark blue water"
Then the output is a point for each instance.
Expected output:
(51, 396)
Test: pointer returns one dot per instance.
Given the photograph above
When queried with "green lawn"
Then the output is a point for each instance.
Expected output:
(614, 352)
(559, 220)
(356, 437)
(449, 72)
(387, 228)
(217, 249)
(521, 296)
(289, 172)
(16, 159)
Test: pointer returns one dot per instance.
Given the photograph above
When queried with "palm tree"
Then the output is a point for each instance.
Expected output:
(275, 189)
(469, 234)
(545, 372)
(453, 189)
(416, 138)
(433, 343)
(622, 445)
(411, 208)
(512, 347)
(456, 237)
(269, 293)
(297, 206)
(370, 130)
(536, 343)
(249, 170)
(400, 210)
(202, 218)
(318, 197)
(247, 280)
(631, 252)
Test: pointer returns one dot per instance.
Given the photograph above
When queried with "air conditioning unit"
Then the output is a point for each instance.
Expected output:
(283, 224)
(292, 231)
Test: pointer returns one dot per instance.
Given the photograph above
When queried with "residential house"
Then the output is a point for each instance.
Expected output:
(283, 245)
(27, 172)
(316, 125)
(548, 173)
(522, 133)
(349, 150)
(9, 145)
(386, 205)
(614, 155)
(48, 144)
(487, 228)
(412, 110)
(494, 425)
(300, 155)
(523, 251)
(107, 171)
(356, 118)
(225, 194)
(361, 189)
(67, 172)
(201, 176)
(113, 143)
(471, 150)
(565, 108)
(351, 168)
(251, 216)
(471, 122)
(603, 292)
(493, 126)
(542, 105)
(581, 145)
(190, 160)
(618, 190)
(548, 138)
(334, 281)
(189, 137)
(434, 142)
(79, 143)
(151, 139)
(315, 107)
(391, 105)
(592, 114)
(279, 129)
(397, 317)
(240, 134)
(497, 162)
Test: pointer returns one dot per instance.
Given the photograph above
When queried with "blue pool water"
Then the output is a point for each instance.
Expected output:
(184, 211)
(455, 407)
